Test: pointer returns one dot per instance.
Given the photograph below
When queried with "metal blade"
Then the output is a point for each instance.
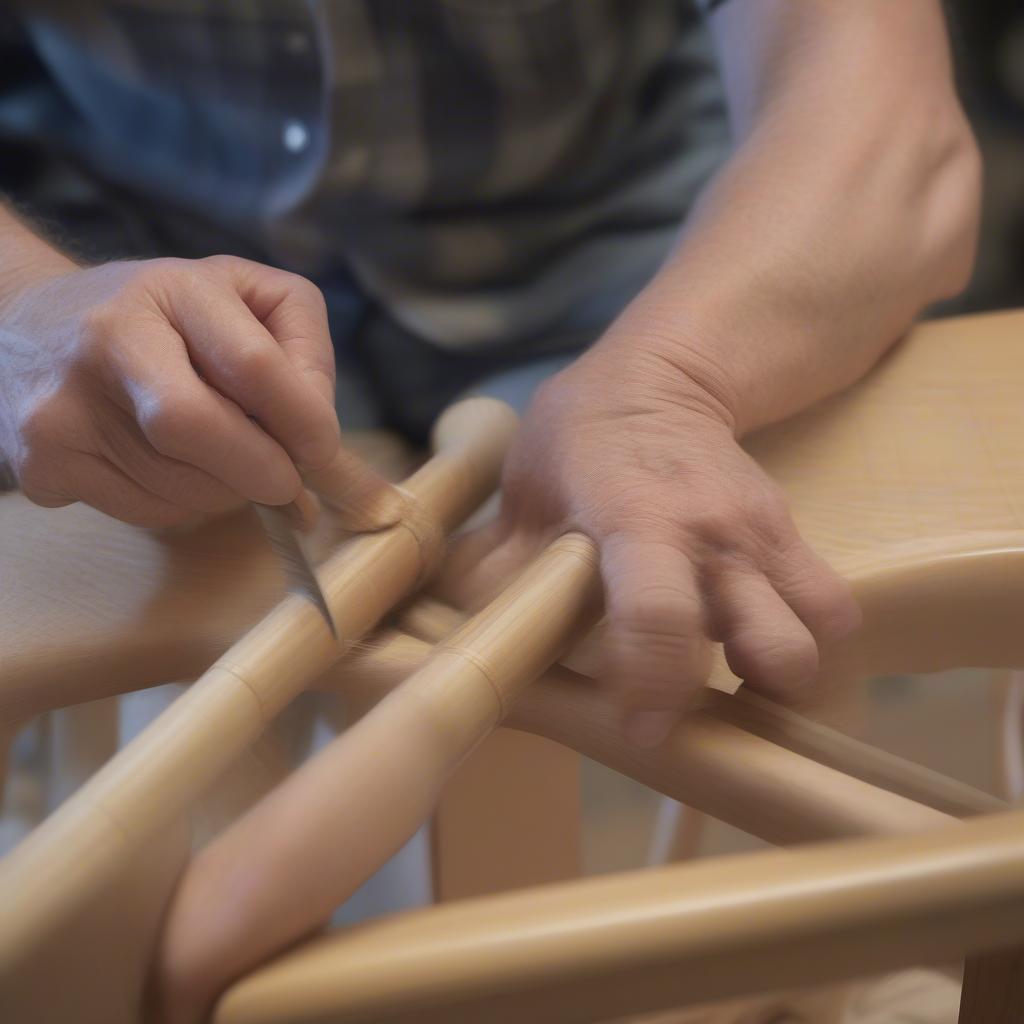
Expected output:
(300, 573)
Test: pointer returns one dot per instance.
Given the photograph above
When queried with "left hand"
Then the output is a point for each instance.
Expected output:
(697, 543)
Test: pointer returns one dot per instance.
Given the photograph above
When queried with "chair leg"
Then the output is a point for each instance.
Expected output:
(993, 991)
(509, 818)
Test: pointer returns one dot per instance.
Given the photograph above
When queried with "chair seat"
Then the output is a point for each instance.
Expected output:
(927, 448)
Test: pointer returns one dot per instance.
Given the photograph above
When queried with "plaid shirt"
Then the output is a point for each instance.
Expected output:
(493, 172)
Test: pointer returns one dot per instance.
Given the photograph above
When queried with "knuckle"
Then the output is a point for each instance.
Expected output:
(767, 513)
(148, 274)
(840, 614)
(750, 521)
(98, 324)
(253, 362)
(654, 610)
(97, 335)
(223, 261)
(177, 276)
(162, 266)
(173, 425)
(303, 288)
(825, 598)
(777, 662)
(716, 529)
(316, 450)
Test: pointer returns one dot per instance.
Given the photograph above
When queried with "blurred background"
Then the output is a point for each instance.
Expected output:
(988, 38)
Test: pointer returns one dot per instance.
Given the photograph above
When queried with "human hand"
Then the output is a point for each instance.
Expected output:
(697, 543)
(157, 390)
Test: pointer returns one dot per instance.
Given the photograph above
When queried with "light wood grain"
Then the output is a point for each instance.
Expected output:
(92, 607)
(787, 728)
(66, 864)
(236, 905)
(927, 446)
(664, 937)
(707, 761)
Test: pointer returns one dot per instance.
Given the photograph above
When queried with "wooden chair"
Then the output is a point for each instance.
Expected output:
(910, 483)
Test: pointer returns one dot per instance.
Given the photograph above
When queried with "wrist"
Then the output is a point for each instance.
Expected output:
(31, 272)
(750, 345)
(677, 363)
(26, 260)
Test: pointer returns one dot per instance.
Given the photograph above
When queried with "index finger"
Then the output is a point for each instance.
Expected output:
(236, 353)
(293, 310)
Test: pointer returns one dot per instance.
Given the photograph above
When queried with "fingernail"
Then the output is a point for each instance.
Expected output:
(647, 729)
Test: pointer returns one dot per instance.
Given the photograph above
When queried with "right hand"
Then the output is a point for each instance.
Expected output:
(159, 390)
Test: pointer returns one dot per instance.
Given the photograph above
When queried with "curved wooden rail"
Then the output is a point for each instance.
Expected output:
(664, 937)
(236, 906)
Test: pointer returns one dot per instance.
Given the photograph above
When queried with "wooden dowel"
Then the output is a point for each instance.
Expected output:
(283, 868)
(788, 728)
(431, 620)
(157, 777)
(665, 937)
(719, 769)
(710, 764)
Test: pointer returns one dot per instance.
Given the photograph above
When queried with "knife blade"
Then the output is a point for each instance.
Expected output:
(278, 524)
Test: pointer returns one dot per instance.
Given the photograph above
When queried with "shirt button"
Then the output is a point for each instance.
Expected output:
(295, 136)
(296, 43)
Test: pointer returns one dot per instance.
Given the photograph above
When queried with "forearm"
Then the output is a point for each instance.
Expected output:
(25, 256)
(850, 204)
